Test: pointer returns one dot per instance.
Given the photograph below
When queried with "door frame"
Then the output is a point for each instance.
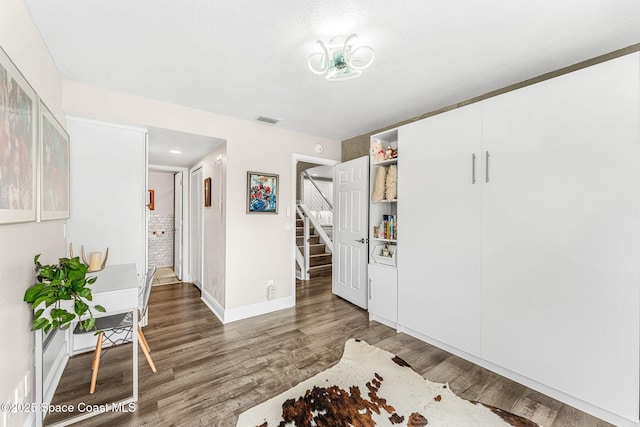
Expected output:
(291, 209)
(192, 170)
(186, 191)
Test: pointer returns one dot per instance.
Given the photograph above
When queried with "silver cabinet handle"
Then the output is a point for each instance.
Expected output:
(487, 166)
(369, 288)
(473, 168)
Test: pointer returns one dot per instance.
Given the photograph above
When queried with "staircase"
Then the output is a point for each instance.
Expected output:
(319, 257)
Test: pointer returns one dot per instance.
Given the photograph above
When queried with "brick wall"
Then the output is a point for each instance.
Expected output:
(161, 245)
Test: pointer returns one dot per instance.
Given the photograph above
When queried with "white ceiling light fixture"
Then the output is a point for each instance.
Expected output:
(340, 60)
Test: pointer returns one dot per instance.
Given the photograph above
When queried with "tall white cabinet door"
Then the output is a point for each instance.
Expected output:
(108, 191)
(439, 265)
(561, 230)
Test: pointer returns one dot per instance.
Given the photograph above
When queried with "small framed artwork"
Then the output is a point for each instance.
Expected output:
(262, 193)
(54, 161)
(207, 192)
(18, 145)
(152, 200)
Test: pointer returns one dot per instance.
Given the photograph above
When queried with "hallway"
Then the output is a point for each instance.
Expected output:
(165, 276)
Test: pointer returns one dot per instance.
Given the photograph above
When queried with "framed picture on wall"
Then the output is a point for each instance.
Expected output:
(18, 145)
(54, 164)
(262, 193)
(207, 192)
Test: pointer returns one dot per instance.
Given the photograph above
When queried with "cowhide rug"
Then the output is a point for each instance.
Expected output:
(371, 387)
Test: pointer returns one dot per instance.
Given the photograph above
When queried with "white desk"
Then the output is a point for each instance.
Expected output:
(116, 289)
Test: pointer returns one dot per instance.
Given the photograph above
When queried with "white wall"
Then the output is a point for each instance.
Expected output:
(214, 167)
(20, 242)
(251, 240)
(162, 184)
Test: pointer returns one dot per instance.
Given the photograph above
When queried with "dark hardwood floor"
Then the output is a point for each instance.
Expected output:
(208, 373)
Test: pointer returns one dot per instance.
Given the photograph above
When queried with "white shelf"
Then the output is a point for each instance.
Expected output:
(385, 162)
(378, 239)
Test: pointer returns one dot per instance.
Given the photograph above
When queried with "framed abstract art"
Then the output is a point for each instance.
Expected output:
(54, 161)
(262, 193)
(18, 145)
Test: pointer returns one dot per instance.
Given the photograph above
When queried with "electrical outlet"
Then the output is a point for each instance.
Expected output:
(271, 290)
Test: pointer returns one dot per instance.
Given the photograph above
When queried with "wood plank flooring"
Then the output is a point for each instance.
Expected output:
(208, 373)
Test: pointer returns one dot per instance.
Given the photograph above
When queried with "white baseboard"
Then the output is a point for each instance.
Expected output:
(386, 322)
(234, 314)
(542, 388)
(213, 305)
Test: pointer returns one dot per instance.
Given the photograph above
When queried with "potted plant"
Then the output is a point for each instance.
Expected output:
(65, 281)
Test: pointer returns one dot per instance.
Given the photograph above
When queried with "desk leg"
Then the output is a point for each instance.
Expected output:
(134, 334)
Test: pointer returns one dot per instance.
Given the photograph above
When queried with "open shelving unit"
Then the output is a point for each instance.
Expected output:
(383, 229)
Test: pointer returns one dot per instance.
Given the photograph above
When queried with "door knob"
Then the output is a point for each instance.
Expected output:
(363, 240)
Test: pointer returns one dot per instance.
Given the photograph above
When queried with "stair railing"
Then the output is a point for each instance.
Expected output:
(324, 237)
(312, 201)
(306, 175)
(302, 257)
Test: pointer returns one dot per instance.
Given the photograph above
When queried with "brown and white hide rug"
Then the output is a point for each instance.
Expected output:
(371, 387)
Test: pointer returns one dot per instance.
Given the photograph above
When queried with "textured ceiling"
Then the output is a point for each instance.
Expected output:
(248, 58)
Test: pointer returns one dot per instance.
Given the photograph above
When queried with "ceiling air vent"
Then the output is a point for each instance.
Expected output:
(266, 119)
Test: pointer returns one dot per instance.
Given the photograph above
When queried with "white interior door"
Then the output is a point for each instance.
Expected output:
(197, 201)
(350, 228)
(177, 225)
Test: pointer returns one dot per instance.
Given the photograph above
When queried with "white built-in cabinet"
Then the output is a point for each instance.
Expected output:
(383, 230)
(440, 269)
(520, 235)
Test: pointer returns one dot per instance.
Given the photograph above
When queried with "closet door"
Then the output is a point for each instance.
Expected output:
(560, 254)
(439, 227)
(197, 229)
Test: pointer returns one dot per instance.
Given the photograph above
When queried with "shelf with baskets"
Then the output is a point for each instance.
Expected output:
(383, 220)
(383, 228)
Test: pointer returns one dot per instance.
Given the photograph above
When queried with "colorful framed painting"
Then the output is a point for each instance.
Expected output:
(262, 193)
(54, 161)
(18, 145)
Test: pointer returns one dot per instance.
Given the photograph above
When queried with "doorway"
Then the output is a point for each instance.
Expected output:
(317, 260)
(166, 239)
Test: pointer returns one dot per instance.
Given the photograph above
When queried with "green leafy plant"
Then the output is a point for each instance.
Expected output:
(65, 281)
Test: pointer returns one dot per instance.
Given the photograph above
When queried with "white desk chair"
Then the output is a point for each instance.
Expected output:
(111, 326)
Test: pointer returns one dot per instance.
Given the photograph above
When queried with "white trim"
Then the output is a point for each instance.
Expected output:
(295, 159)
(245, 312)
(213, 305)
(386, 322)
(528, 382)
(231, 315)
(108, 124)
